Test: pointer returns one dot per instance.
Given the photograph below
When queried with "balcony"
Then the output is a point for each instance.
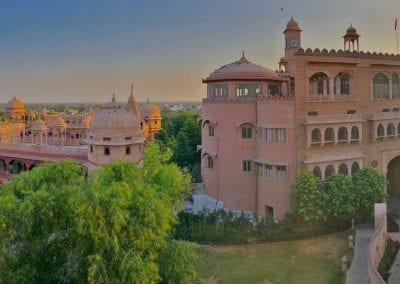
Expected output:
(384, 115)
(329, 119)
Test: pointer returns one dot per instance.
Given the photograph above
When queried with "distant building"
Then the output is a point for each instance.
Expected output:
(323, 111)
(115, 132)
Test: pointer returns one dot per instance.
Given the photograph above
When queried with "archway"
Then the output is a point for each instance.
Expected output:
(393, 176)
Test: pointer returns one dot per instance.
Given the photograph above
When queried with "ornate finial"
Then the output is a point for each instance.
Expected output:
(113, 98)
(242, 53)
(132, 89)
(351, 24)
(291, 18)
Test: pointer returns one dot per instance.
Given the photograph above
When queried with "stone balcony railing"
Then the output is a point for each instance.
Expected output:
(248, 99)
(384, 115)
(45, 149)
(337, 118)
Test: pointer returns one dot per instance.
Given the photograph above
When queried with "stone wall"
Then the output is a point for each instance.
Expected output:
(376, 247)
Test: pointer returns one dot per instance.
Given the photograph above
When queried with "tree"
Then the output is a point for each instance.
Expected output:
(369, 187)
(58, 226)
(340, 196)
(309, 199)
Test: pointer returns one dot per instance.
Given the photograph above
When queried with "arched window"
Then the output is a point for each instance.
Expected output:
(395, 86)
(317, 172)
(343, 169)
(319, 84)
(316, 135)
(329, 135)
(355, 167)
(329, 170)
(381, 86)
(106, 151)
(91, 148)
(342, 134)
(128, 150)
(398, 129)
(355, 135)
(342, 84)
(3, 165)
(246, 131)
(380, 131)
(391, 130)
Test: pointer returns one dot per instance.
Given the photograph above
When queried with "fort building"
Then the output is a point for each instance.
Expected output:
(117, 131)
(326, 111)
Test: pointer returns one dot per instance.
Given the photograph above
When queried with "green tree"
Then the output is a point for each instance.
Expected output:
(369, 187)
(58, 226)
(309, 199)
(340, 196)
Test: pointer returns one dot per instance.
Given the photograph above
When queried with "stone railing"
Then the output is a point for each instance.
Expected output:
(333, 118)
(249, 99)
(384, 115)
(45, 149)
(377, 245)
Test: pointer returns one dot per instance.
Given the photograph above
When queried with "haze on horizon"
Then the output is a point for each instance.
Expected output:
(83, 51)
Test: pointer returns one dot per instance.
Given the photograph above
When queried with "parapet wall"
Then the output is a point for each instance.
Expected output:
(377, 245)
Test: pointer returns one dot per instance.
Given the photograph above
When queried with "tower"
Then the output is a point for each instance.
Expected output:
(292, 44)
(350, 38)
(292, 38)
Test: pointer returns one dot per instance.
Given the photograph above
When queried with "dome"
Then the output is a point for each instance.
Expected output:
(292, 25)
(114, 119)
(59, 122)
(351, 31)
(15, 103)
(151, 111)
(241, 69)
(38, 125)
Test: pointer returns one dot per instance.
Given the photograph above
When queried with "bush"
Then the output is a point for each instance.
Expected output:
(392, 225)
(221, 228)
(388, 258)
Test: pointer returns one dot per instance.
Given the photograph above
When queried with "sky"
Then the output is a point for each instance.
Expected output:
(83, 51)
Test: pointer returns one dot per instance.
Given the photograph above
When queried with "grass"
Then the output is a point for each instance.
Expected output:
(314, 260)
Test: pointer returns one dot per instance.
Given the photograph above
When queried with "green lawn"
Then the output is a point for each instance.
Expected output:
(315, 260)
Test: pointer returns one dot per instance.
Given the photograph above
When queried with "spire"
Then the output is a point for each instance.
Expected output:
(113, 100)
(131, 105)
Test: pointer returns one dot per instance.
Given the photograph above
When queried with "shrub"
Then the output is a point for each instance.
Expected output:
(388, 258)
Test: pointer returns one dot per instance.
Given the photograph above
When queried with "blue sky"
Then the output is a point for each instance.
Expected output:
(77, 51)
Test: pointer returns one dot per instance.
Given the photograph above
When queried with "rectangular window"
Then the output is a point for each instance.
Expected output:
(210, 163)
(211, 131)
(248, 90)
(351, 111)
(246, 166)
(312, 113)
(274, 90)
(281, 172)
(281, 135)
(268, 171)
(128, 138)
(269, 135)
(246, 132)
(106, 138)
(275, 135)
(218, 91)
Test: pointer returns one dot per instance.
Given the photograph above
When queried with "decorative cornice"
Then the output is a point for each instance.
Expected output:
(351, 54)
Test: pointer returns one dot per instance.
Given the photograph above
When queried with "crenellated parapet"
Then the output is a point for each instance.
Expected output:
(341, 53)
